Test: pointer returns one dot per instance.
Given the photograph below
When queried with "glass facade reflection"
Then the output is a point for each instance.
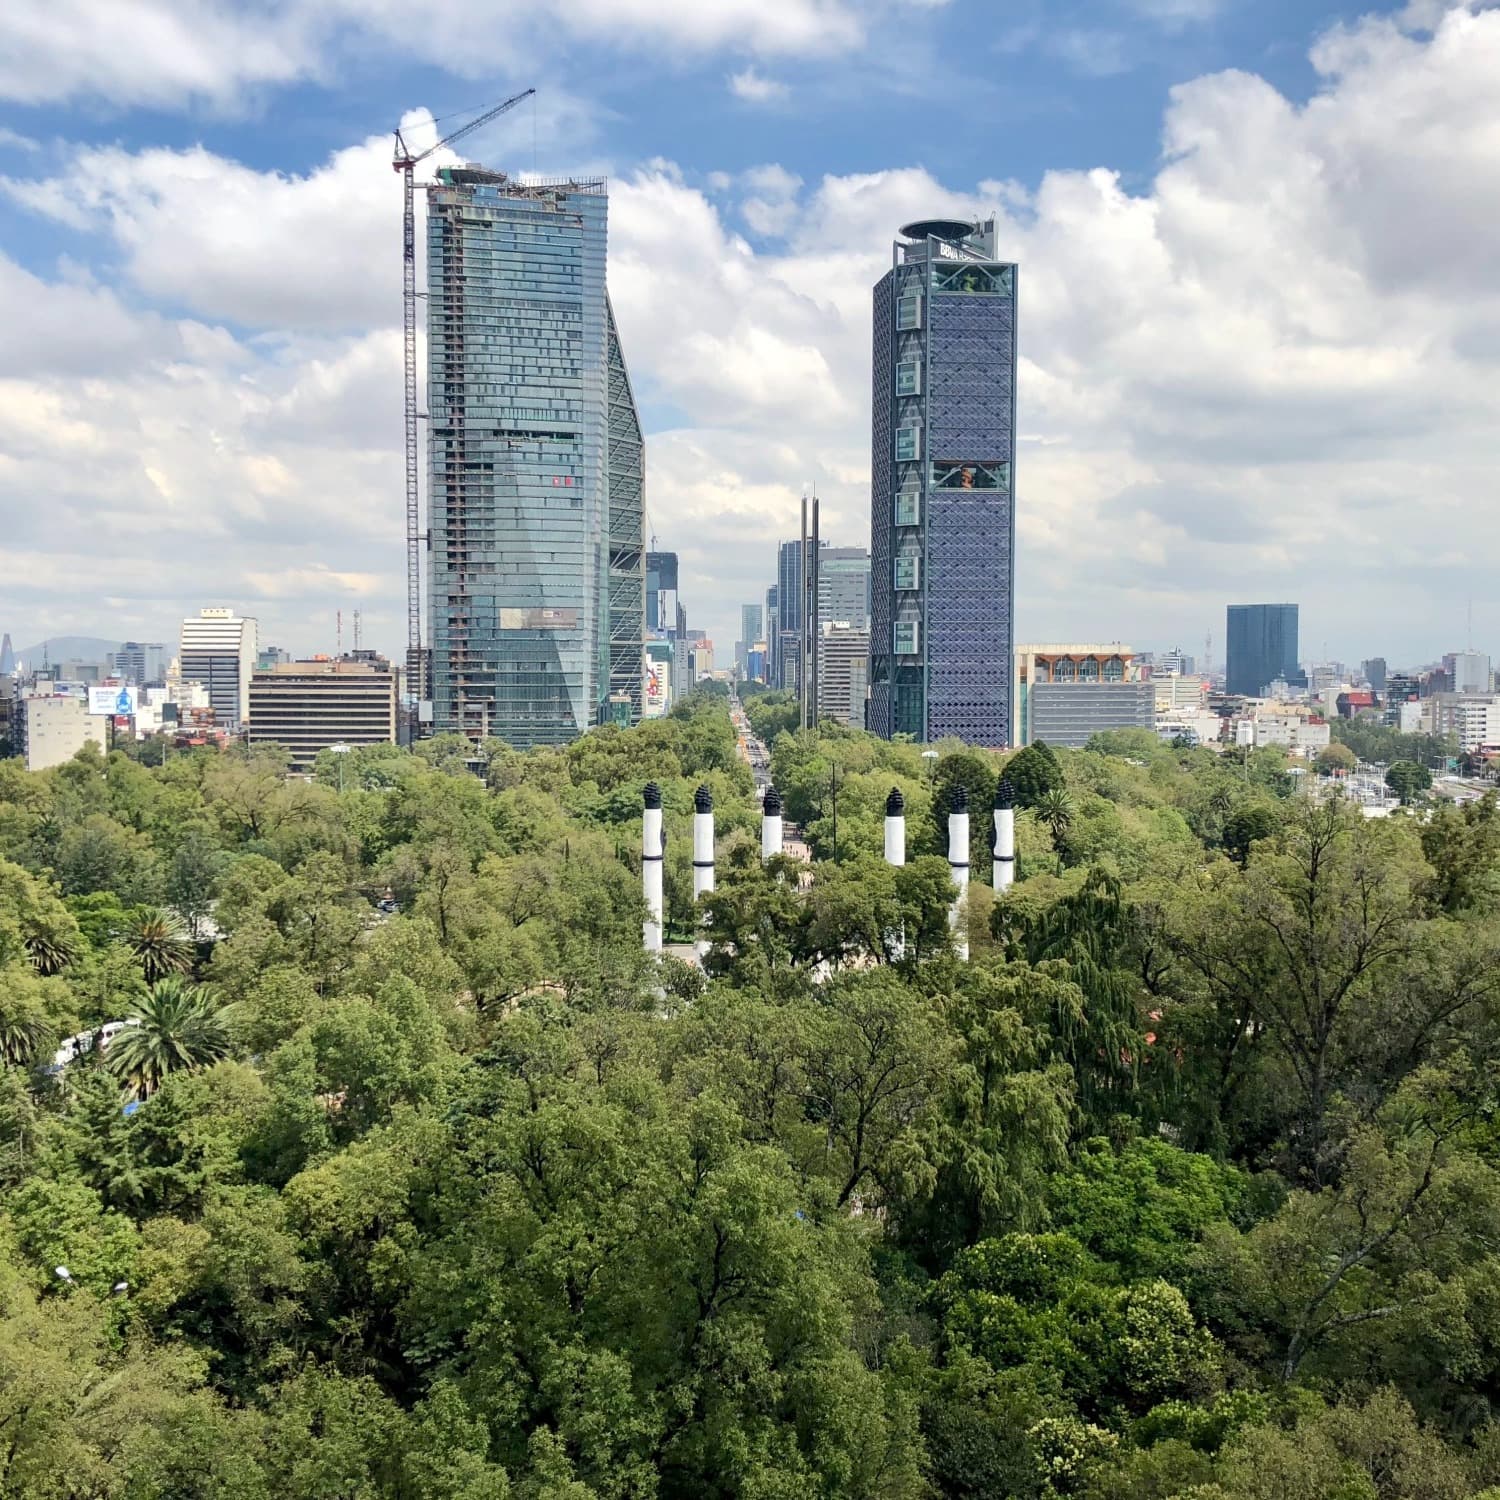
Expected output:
(536, 582)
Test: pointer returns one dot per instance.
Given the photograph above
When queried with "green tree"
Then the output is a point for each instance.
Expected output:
(1408, 780)
(158, 942)
(1337, 757)
(35, 926)
(972, 772)
(1463, 847)
(178, 1026)
(1033, 772)
(1054, 811)
(1246, 826)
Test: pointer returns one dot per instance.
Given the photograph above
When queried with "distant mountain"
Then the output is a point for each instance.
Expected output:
(67, 648)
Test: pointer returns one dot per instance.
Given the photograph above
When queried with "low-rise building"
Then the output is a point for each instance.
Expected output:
(57, 727)
(1065, 694)
(1300, 735)
(309, 706)
(1198, 726)
(1472, 718)
(1174, 690)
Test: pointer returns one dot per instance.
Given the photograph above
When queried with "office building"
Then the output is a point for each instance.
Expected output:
(141, 662)
(756, 662)
(1174, 691)
(1065, 694)
(56, 726)
(537, 580)
(1374, 672)
(661, 592)
(942, 515)
(7, 656)
(217, 650)
(700, 659)
(657, 668)
(1260, 645)
(1467, 671)
(308, 706)
(1473, 719)
(271, 656)
(843, 672)
(1303, 735)
(773, 634)
(751, 629)
(789, 612)
(12, 729)
(844, 586)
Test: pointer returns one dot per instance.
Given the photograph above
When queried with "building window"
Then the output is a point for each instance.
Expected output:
(952, 474)
(908, 444)
(908, 313)
(1114, 670)
(907, 637)
(965, 279)
(908, 508)
(906, 572)
(1065, 670)
(1088, 669)
(909, 378)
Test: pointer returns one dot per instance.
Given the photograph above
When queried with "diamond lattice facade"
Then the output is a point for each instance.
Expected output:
(942, 510)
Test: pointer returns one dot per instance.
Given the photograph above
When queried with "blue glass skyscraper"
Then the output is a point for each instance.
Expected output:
(942, 524)
(1260, 645)
(536, 583)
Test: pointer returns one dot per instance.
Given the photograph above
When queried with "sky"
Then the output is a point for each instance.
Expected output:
(1259, 249)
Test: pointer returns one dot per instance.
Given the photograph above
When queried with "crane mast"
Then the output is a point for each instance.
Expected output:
(405, 162)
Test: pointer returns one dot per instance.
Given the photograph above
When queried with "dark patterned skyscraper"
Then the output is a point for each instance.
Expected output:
(942, 523)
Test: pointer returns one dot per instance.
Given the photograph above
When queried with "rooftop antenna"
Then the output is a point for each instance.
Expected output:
(358, 624)
(339, 633)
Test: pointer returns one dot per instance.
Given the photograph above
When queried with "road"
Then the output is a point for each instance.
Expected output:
(751, 751)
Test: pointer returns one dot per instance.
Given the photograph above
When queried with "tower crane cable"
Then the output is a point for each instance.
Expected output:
(405, 163)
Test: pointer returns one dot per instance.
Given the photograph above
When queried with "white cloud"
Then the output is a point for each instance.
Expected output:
(1256, 375)
(756, 88)
(220, 52)
(770, 207)
(150, 52)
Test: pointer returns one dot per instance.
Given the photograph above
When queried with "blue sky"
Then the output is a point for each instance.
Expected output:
(1259, 313)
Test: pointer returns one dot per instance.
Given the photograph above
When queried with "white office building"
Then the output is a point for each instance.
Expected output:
(843, 672)
(218, 650)
(58, 726)
(1472, 718)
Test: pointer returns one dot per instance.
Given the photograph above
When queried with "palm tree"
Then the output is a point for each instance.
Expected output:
(159, 942)
(178, 1027)
(50, 950)
(1054, 809)
(22, 1038)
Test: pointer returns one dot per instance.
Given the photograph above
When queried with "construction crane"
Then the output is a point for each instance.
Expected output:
(405, 162)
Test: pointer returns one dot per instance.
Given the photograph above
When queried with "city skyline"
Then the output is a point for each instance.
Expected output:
(240, 437)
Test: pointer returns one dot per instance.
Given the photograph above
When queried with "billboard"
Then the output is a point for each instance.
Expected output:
(654, 696)
(114, 702)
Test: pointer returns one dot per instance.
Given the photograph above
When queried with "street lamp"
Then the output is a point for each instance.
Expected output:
(340, 750)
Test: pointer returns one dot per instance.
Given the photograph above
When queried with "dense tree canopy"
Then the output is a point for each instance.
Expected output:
(411, 1175)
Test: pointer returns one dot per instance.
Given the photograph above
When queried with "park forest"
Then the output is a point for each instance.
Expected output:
(414, 1176)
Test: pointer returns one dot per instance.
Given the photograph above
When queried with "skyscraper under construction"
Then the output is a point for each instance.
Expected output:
(536, 580)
